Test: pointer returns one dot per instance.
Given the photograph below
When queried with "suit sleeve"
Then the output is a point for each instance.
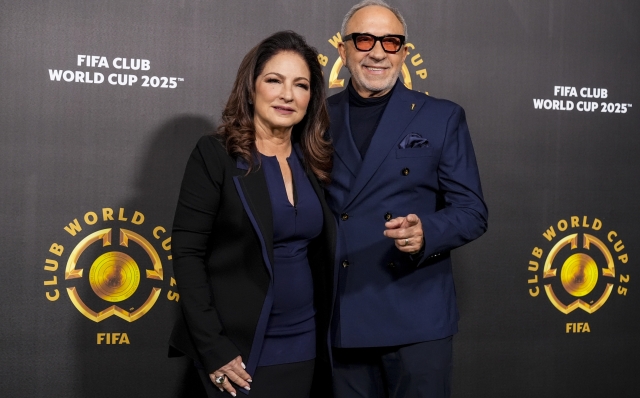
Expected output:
(464, 214)
(192, 226)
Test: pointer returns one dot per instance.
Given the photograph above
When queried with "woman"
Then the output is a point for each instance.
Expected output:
(252, 238)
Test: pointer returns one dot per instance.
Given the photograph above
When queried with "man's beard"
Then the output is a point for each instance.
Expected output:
(372, 86)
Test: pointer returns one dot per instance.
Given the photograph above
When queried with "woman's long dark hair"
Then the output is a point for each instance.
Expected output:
(237, 128)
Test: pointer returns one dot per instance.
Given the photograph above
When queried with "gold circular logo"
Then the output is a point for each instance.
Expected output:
(114, 276)
(580, 270)
(579, 274)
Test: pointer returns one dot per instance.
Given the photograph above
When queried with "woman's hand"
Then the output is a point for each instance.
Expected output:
(233, 371)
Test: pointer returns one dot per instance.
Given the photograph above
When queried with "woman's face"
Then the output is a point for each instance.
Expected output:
(283, 90)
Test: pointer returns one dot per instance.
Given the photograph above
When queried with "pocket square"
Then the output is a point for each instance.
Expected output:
(413, 140)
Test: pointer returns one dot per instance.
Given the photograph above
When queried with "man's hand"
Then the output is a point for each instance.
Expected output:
(407, 233)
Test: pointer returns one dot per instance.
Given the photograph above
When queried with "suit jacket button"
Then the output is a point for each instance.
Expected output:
(405, 171)
(391, 265)
(345, 263)
(388, 216)
(344, 216)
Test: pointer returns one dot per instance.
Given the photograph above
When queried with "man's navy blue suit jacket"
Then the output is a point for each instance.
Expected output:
(386, 297)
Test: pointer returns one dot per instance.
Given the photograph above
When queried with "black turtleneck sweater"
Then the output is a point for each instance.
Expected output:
(364, 116)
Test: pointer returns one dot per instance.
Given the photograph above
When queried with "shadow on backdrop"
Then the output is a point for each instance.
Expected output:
(141, 368)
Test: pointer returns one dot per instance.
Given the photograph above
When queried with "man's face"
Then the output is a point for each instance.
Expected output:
(373, 72)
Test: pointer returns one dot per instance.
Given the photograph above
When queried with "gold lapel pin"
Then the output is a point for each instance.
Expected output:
(413, 106)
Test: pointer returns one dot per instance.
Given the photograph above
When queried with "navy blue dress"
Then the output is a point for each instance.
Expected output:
(291, 331)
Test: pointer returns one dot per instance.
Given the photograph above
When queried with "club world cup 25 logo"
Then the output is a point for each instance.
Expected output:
(410, 75)
(110, 263)
(580, 266)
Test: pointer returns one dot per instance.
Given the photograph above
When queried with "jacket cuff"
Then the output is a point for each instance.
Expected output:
(224, 353)
(418, 258)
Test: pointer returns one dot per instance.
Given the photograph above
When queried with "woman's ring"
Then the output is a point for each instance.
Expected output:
(406, 241)
(220, 379)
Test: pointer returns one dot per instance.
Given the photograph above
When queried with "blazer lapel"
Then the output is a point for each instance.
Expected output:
(397, 115)
(343, 144)
(254, 194)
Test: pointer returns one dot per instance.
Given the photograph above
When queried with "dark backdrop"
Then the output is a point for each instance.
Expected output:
(71, 148)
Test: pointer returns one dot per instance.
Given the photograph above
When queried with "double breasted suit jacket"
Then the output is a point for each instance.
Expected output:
(222, 246)
(386, 297)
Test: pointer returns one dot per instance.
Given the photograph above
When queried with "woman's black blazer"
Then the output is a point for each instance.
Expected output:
(222, 247)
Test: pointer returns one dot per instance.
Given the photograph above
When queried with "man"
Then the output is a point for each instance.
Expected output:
(406, 191)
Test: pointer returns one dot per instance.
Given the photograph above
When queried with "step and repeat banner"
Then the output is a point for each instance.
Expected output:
(102, 102)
